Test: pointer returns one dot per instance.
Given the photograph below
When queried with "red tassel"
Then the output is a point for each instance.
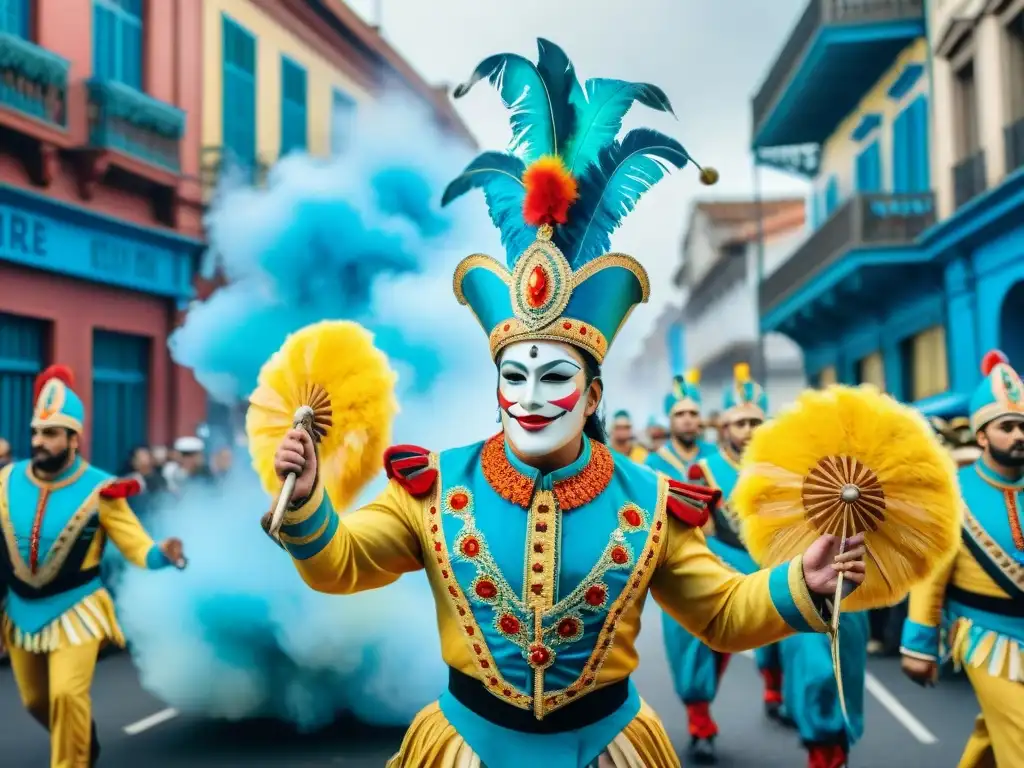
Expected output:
(60, 372)
(991, 360)
(550, 192)
(122, 489)
(695, 473)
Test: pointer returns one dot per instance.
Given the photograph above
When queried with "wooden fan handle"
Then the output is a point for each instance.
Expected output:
(303, 419)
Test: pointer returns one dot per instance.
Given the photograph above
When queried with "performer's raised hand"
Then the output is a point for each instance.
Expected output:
(174, 551)
(922, 671)
(823, 562)
(296, 454)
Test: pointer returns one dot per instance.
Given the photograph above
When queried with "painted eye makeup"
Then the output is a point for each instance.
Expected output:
(513, 376)
(555, 378)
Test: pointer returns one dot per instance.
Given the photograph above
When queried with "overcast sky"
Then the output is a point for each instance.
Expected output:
(710, 56)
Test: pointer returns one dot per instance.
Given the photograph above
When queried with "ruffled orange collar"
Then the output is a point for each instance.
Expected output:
(575, 486)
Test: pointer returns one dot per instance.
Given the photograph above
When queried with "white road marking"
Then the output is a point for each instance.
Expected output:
(884, 696)
(902, 715)
(151, 722)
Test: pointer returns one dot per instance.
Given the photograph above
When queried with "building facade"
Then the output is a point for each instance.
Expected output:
(288, 75)
(100, 212)
(916, 264)
(725, 249)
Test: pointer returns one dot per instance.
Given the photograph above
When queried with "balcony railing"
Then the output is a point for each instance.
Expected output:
(1013, 140)
(128, 121)
(969, 178)
(875, 220)
(33, 81)
(818, 14)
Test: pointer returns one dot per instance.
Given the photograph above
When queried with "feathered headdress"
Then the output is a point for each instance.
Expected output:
(745, 398)
(1000, 393)
(556, 196)
(56, 404)
(685, 392)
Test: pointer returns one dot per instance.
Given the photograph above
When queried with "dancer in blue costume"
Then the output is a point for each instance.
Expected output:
(540, 543)
(56, 514)
(696, 669)
(979, 596)
(798, 672)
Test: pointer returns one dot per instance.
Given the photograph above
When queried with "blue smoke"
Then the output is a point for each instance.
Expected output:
(238, 634)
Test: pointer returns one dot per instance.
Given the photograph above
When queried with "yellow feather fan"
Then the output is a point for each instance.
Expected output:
(846, 461)
(334, 369)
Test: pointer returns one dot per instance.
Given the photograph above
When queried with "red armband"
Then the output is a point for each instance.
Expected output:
(121, 489)
(409, 466)
(691, 504)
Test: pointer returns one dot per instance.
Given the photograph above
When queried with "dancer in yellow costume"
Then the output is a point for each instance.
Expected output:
(541, 544)
(979, 595)
(56, 514)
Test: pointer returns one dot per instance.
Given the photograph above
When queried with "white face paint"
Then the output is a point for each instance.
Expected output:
(542, 393)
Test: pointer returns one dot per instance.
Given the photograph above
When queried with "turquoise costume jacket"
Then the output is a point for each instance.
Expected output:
(978, 597)
(669, 461)
(53, 534)
(540, 581)
(721, 471)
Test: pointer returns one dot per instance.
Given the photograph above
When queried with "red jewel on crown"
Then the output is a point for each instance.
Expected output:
(509, 624)
(537, 287)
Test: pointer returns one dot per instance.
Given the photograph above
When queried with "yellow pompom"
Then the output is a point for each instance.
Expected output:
(334, 368)
(741, 372)
(851, 460)
(708, 176)
(693, 376)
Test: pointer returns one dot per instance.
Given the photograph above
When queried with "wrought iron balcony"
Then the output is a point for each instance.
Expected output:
(863, 221)
(969, 178)
(833, 67)
(33, 81)
(1013, 140)
(124, 120)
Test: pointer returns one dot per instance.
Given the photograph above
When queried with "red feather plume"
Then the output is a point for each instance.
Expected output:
(991, 359)
(61, 372)
(550, 192)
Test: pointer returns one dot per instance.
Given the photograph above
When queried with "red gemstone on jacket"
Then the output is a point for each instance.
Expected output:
(595, 595)
(458, 501)
(537, 287)
(509, 624)
(539, 655)
(568, 627)
(619, 555)
(632, 517)
(486, 589)
(471, 546)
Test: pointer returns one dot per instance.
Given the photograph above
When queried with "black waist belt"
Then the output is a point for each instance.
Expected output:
(587, 710)
(998, 605)
(62, 583)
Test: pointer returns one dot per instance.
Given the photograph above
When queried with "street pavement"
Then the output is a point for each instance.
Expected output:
(905, 725)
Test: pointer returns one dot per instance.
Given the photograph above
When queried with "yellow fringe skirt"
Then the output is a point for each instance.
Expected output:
(432, 742)
(972, 646)
(90, 619)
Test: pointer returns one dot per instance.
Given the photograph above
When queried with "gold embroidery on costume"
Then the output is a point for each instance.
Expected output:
(1000, 557)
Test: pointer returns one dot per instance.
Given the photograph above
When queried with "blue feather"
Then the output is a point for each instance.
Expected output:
(525, 95)
(499, 175)
(600, 113)
(559, 76)
(611, 187)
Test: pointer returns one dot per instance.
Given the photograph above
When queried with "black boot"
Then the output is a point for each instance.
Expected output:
(702, 751)
(94, 747)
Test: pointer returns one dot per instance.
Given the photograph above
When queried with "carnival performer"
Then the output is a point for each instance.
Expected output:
(978, 597)
(56, 514)
(540, 543)
(696, 669)
(623, 438)
(807, 695)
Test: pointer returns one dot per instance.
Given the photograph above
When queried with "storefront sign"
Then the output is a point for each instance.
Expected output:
(45, 242)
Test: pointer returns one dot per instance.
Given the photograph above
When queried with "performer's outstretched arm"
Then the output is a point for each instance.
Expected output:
(366, 549)
(920, 637)
(729, 611)
(127, 533)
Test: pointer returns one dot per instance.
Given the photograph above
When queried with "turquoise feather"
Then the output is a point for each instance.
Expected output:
(559, 76)
(599, 116)
(611, 187)
(499, 175)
